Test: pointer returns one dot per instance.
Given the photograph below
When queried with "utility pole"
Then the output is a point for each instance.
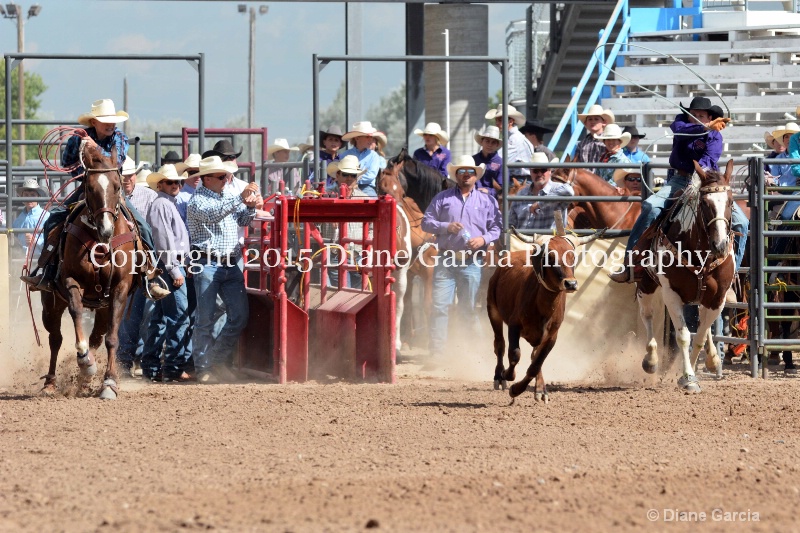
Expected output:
(251, 78)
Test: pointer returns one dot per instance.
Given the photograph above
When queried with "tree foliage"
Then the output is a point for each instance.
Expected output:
(34, 88)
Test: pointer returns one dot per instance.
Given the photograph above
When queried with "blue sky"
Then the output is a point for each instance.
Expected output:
(161, 90)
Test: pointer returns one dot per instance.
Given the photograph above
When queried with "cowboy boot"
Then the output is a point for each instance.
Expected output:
(44, 281)
(635, 272)
(156, 288)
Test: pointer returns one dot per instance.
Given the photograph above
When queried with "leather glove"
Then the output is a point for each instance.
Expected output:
(718, 124)
(658, 182)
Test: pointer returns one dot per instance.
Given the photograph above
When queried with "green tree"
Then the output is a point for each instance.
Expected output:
(34, 88)
(389, 116)
(496, 100)
(333, 115)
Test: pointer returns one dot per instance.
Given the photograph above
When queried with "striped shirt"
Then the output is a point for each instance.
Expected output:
(142, 198)
(169, 232)
(521, 216)
(214, 219)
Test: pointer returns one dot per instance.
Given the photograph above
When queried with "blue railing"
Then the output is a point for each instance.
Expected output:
(603, 62)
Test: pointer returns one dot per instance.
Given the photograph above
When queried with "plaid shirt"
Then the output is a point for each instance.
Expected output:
(590, 150)
(71, 153)
(213, 221)
(521, 216)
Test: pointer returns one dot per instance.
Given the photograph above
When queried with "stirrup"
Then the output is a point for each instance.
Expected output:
(155, 289)
(622, 276)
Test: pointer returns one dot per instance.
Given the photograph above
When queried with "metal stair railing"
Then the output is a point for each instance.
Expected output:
(603, 63)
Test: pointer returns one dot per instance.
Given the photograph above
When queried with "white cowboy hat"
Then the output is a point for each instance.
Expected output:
(141, 176)
(166, 172)
(381, 140)
(488, 132)
(790, 127)
(621, 173)
(32, 184)
(518, 117)
(105, 112)
(129, 167)
(279, 144)
(597, 111)
(768, 138)
(348, 165)
(215, 165)
(464, 161)
(360, 129)
(432, 128)
(193, 162)
(308, 145)
(613, 131)
(541, 157)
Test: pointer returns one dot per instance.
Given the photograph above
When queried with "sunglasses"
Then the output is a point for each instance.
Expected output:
(633, 179)
(228, 158)
(470, 171)
(348, 175)
(171, 182)
(538, 170)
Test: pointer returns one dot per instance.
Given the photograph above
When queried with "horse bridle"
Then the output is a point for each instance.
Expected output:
(710, 189)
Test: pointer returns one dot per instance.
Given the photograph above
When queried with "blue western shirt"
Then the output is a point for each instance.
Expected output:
(493, 172)
(370, 160)
(27, 220)
(438, 160)
(213, 221)
(71, 153)
(638, 156)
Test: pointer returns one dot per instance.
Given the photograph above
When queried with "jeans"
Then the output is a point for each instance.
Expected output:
(168, 329)
(133, 328)
(228, 283)
(368, 189)
(449, 281)
(663, 199)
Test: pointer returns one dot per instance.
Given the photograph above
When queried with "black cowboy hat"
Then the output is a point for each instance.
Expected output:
(223, 148)
(535, 127)
(701, 103)
(171, 158)
(634, 132)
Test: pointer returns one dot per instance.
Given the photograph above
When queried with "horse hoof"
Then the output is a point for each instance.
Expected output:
(497, 384)
(48, 391)
(690, 384)
(650, 368)
(87, 365)
(542, 397)
(108, 394)
(517, 388)
(712, 364)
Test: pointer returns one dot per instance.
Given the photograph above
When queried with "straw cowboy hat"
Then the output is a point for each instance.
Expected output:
(279, 144)
(103, 111)
(488, 132)
(621, 173)
(541, 157)
(597, 111)
(634, 132)
(141, 176)
(191, 162)
(465, 161)
(332, 130)
(701, 103)
(360, 129)
(215, 165)
(308, 145)
(518, 117)
(166, 172)
(223, 148)
(32, 184)
(768, 138)
(613, 131)
(381, 140)
(348, 165)
(432, 128)
(130, 167)
(790, 127)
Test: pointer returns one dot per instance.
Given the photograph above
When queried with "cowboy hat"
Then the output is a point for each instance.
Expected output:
(166, 172)
(541, 157)
(790, 127)
(32, 184)
(279, 144)
(141, 176)
(129, 167)
(535, 127)
(215, 165)
(613, 131)
(308, 145)
(518, 117)
(103, 111)
(701, 103)
(768, 138)
(597, 110)
(348, 165)
(223, 148)
(432, 128)
(621, 173)
(336, 131)
(191, 162)
(171, 158)
(381, 140)
(465, 161)
(634, 132)
(488, 132)
(360, 129)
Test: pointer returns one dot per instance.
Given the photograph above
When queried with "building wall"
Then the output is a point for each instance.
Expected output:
(469, 93)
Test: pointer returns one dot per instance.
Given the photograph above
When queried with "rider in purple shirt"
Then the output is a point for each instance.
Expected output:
(434, 154)
(490, 141)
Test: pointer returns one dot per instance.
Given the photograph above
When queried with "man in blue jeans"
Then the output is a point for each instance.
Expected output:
(464, 221)
(213, 215)
(697, 137)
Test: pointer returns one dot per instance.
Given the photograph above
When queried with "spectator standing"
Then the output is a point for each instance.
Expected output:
(590, 149)
(491, 182)
(534, 131)
(632, 151)
(29, 217)
(520, 150)
(614, 139)
(539, 215)
(435, 153)
(363, 135)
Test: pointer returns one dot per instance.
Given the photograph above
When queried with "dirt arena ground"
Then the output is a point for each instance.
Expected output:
(438, 451)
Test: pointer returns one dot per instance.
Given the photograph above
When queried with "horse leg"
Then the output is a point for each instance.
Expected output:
(400, 287)
(117, 309)
(672, 300)
(86, 363)
(540, 389)
(52, 311)
(514, 352)
(704, 338)
(538, 356)
(650, 361)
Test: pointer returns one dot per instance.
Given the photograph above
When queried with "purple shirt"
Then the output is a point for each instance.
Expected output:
(479, 214)
(706, 149)
(439, 159)
(494, 166)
